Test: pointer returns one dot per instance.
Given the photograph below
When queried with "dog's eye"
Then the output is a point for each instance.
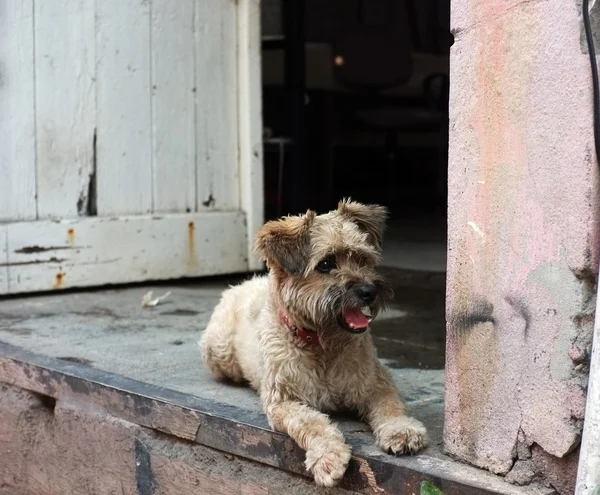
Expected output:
(326, 265)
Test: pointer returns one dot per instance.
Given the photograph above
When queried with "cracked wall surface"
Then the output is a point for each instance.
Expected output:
(523, 242)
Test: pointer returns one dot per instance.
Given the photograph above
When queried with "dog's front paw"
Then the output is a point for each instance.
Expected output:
(403, 435)
(328, 462)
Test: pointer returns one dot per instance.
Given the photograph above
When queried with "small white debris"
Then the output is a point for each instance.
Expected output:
(476, 229)
(148, 302)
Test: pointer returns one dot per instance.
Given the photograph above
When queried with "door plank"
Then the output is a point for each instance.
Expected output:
(124, 124)
(173, 134)
(65, 106)
(250, 121)
(217, 164)
(93, 251)
(17, 118)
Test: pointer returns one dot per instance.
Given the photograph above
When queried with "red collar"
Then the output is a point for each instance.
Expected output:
(309, 336)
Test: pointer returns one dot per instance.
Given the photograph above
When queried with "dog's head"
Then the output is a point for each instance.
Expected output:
(324, 266)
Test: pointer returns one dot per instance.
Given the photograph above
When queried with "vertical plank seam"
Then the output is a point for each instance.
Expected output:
(207, 141)
(195, 66)
(238, 113)
(92, 200)
(35, 133)
(207, 147)
(238, 170)
(239, 125)
(96, 163)
(151, 77)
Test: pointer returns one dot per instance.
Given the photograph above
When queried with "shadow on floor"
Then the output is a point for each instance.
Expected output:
(412, 334)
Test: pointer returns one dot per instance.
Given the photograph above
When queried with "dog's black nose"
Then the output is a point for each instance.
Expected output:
(367, 293)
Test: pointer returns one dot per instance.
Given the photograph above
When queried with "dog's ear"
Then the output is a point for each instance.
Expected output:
(369, 218)
(286, 242)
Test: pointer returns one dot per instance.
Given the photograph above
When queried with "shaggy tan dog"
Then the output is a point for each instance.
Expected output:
(298, 335)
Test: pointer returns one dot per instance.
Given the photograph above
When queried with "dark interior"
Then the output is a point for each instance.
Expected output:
(355, 96)
(355, 103)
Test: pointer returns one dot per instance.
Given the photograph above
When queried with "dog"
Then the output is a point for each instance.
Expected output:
(298, 335)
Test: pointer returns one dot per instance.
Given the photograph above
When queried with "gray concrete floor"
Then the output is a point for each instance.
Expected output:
(412, 333)
(108, 329)
(416, 243)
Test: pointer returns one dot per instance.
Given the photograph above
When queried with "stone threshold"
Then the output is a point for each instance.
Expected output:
(239, 431)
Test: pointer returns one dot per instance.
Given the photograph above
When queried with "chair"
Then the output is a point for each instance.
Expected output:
(372, 55)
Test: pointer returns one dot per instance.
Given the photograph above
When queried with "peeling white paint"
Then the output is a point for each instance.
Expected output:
(100, 120)
(47, 255)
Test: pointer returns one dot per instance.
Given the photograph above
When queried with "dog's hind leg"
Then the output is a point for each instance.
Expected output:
(217, 344)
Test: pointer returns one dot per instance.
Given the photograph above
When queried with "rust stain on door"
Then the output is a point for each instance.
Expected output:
(58, 280)
(191, 246)
(71, 237)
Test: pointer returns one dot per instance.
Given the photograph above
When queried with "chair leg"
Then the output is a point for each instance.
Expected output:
(391, 153)
(329, 144)
(330, 172)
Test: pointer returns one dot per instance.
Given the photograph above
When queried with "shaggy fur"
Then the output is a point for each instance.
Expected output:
(298, 382)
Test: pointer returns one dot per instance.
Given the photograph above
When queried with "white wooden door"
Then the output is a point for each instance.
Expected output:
(130, 140)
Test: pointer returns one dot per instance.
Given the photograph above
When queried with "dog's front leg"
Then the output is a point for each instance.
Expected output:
(327, 454)
(395, 431)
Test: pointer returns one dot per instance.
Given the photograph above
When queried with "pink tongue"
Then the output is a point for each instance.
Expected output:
(355, 318)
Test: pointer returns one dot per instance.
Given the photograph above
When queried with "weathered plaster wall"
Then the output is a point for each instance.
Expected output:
(523, 244)
(72, 447)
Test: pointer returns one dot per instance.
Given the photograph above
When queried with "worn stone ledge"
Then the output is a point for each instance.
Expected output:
(235, 430)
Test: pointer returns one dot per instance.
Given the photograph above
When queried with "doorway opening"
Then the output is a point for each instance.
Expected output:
(355, 104)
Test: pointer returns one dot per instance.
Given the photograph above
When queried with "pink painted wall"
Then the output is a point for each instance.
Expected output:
(523, 243)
